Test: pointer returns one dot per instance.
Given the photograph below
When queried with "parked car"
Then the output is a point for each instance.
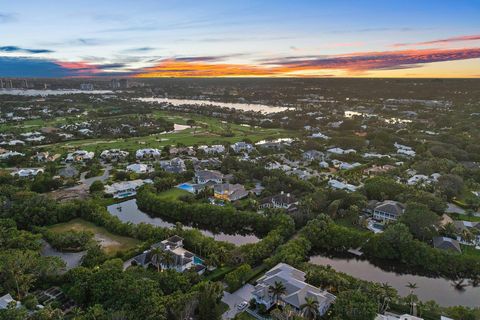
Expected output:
(242, 305)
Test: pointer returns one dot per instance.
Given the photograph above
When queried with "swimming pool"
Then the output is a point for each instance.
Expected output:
(197, 260)
(186, 186)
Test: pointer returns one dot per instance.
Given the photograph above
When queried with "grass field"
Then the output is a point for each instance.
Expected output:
(110, 242)
(470, 251)
(172, 194)
(207, 131)
(243, 316)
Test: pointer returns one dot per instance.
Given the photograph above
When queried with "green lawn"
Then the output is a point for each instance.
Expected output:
(470, 251)
(209, 131)
(172, 194)
(219, 273)
(111, 243)
(466, 217)
(244, 316)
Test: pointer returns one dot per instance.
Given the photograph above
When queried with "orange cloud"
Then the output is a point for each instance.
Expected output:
(441, 41)
(349, 64)
(183, 68)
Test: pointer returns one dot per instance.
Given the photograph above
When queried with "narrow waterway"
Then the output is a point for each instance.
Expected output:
(128, 211)
(438, 289)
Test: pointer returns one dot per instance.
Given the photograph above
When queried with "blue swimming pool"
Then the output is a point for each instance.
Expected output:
(197, 260)
(186, 186)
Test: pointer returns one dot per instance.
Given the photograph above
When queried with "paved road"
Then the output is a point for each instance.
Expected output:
(456, 209)
(104, 177)
(234, 299)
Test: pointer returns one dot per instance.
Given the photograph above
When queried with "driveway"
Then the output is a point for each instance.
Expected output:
(234, 299)
(104, 177)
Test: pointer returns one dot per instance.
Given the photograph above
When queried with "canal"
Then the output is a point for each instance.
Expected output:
(128, 211)
(440, 290)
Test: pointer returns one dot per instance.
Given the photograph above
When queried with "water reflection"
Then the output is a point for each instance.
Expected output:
(239, 106)
(439, 289)
(128, 211)
(71, 259)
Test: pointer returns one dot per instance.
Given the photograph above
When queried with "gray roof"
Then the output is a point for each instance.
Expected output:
(296, 289)
(209, 174)
(446, 243)
(391, 206)
(466, 225)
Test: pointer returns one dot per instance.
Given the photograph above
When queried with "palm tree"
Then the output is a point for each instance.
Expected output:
(388, 294)
(412, 286)
(310, 308)
(168, 258)
(157, 254)
(277, 290)
(212, 261)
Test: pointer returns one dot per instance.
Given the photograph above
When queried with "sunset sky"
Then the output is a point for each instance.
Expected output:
(147, 38)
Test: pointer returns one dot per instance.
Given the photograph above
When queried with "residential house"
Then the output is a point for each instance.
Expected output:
(319, 135)
(277, 166)
(79, 155)
(229, 192)
(68, 172)
(405, 150)
(276, 144)
(10, 154)
(301, 174)
(45, 157)
(445, 243)
(388, 210)
(335, 184)
(182, 260)
(125, 189)
(218, 148)
(340, 151)
(182, 150)
(148, 153)
(375, 155)
(296, 289)
(313, 155)
(393, 316)
(467, 226)
(258, 189)
(6, 301)
(242, 147)
(211, 163)
(421, 179)
(27, 173)
(13, 143)
(204, 176)
(114, 155)
(176, 165)
(376, 170)
(139, 168)
(279, 201)
(345, 165)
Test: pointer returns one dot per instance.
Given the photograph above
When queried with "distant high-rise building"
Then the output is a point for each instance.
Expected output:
(115, 84)
(2, 85)
(123, 83)
(86, 86)
(8, 84)
(24, 84)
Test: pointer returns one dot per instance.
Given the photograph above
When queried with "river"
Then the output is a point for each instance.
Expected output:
(129, 212)
(439, 289)
(239, 106)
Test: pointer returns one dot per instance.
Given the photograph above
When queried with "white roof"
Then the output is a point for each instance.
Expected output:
(138, 167)
(6, 300)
